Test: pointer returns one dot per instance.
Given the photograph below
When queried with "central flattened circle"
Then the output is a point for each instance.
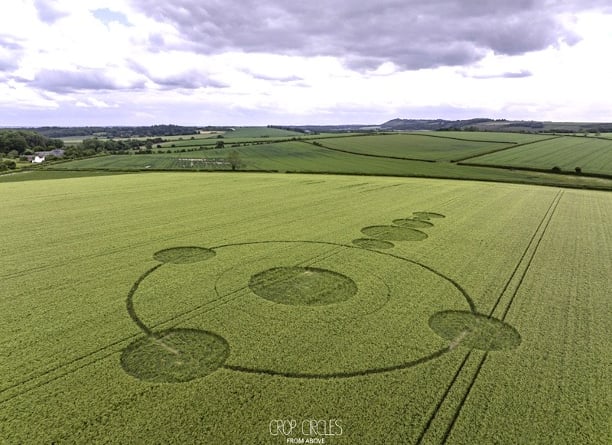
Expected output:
(302, 286)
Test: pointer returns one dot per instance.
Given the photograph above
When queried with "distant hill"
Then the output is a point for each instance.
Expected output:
(431, 124)
(484, 124)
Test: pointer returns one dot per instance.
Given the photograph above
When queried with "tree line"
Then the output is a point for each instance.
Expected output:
(115, 132)
(15, 143)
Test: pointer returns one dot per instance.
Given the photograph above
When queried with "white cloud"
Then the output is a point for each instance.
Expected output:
(66, 58)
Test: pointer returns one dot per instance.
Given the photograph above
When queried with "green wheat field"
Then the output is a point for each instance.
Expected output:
(235, 308)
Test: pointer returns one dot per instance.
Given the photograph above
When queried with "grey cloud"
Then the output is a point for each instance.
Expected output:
(108, 16)
(10, 43)
(65, 81)
(506, 75)
(273, 78)
(412, 34)
(10, 54)
(7, 64)
(189, 80)
(517, 75)
(47, 11)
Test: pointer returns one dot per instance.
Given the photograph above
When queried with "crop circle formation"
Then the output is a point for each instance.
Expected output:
(427, 215)
(325, 286)
(394, 233)
(476, 331)
(413, 223)
(175, 356)
(302, 286)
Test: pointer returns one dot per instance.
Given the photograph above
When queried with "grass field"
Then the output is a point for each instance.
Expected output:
(490, 136)
(414, 146)
(194, 308)
(590, 154)
(300, 156)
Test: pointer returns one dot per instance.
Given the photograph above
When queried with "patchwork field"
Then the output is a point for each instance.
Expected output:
(489, 156)
(414, 146)
(256, 308)
(591, 155)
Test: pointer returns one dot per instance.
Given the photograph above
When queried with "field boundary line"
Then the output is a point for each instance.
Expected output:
(505, 148)
(539, 170)
(371, 155)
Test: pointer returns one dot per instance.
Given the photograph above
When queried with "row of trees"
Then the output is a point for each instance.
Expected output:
(116, 132)
(15, 143)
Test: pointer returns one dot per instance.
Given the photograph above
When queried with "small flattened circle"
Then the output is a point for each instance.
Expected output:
(370, 243)
(427, 215)
(413, 223)
(302, 286)
(475, 331)
(175, 356)
(394, 233)
(184, 255)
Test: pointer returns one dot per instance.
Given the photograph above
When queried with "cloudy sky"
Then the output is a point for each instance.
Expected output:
(258, 62)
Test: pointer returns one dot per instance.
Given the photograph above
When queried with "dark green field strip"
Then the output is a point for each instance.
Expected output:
(461, 160)
(235, 141)
(592, 156)
(301, 157)
(461, 138)
(485, 136)
(471, 375)
(370, 155)
(413, 146)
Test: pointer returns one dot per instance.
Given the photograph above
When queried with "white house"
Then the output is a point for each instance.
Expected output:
(38, 159)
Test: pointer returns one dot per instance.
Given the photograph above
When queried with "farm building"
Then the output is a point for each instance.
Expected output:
(40, 156)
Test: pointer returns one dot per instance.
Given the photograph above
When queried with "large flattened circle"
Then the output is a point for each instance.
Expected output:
(474, 331)
(175, 355)
(302, 286)
(394, 233)
(412, 223)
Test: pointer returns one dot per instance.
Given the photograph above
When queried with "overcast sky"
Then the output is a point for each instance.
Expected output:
(259, 62)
